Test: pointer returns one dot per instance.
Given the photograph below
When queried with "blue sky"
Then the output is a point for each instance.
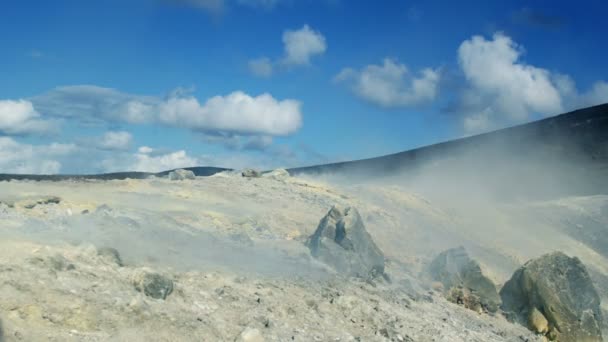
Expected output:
(98, 86)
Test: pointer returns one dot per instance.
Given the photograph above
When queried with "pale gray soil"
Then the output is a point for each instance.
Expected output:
(234, 248)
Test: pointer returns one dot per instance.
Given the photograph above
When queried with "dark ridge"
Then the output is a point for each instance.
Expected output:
(198, 171)
(582, 131)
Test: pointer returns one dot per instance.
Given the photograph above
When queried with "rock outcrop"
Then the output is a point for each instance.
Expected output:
(251, 173)
(153, 284)
(463, 281)
(557, 289)
(342, 242)
(181, 174)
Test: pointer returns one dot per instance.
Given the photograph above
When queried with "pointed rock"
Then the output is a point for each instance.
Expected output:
(342, 242)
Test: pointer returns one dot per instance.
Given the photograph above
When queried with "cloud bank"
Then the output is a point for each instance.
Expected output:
(235, 113)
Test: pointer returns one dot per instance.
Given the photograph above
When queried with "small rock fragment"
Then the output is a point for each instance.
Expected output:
(110, 254)
(251, 173)
(153, 284)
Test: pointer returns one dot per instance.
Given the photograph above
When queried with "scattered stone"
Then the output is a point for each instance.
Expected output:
(110, 254)
(559, 288)
(342, 242)
(465, 297)
(251, 173)
(181, 174)
(463, 281)
(250, 335)
(32, 203)
(56, 262)
(277, 174)
(153, 284)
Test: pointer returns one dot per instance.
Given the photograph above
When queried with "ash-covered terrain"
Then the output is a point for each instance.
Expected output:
(483, 245)
(235, 252)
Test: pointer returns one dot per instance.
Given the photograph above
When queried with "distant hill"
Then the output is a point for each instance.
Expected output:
(583, 132)
(199, 171)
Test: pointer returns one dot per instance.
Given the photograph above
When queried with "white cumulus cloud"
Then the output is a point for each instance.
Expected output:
(21, 158)
(502, 89)
(494, 71)
(19, 117)
(391, 84)
(236, 112)
(116, 140)
(301, 45)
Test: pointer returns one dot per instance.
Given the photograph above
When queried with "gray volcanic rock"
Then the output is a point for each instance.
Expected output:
(251, 173)
(110, 254)
(463, 281)
(342, 242)
(153, 284)
(181, 174)
(560, 289)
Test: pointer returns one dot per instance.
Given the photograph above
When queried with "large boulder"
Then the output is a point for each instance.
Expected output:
(342, 242)
(463, 281)
(558, 289)
(181, 174)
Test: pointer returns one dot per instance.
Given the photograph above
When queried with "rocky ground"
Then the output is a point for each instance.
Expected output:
(233, 252)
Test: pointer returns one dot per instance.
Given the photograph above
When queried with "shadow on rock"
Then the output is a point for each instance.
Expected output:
(1, 332)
